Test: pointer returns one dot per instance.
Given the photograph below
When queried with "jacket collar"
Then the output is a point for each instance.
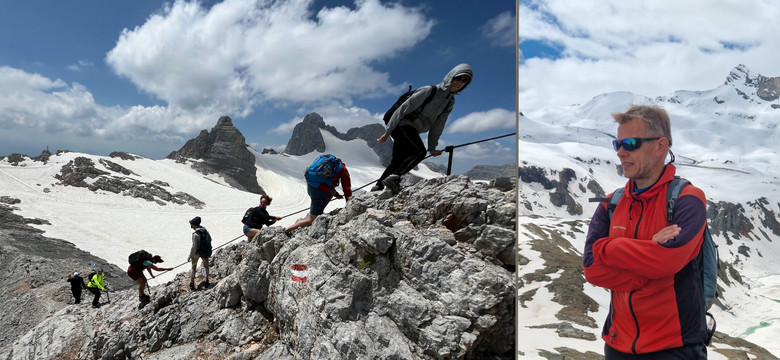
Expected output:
(666, 176)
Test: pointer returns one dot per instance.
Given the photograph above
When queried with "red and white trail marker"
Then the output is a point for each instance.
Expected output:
(299, 273)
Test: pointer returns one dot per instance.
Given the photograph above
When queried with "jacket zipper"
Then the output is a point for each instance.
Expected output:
(631, 295)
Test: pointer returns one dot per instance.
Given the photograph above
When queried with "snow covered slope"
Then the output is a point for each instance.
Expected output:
(111, 225)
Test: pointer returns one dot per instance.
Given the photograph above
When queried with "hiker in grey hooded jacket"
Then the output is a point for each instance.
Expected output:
(410, 120)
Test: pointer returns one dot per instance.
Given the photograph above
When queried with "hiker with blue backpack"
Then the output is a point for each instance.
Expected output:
(424, 110)
(254, 218)
(646, 243)
(322, 178)
(201, 249)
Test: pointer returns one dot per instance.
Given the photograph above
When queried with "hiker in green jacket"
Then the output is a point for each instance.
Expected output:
(95, 286)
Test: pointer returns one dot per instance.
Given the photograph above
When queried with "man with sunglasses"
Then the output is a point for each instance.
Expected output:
(412, 119)
(649, 264)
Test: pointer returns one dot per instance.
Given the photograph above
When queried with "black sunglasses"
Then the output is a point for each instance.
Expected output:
(630, 144)
(461, 78)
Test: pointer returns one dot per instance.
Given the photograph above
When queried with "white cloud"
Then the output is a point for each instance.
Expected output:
(648, 47)
(80, 65)
(484, 121)
(31, 101)
(501, 30)
(240, 53)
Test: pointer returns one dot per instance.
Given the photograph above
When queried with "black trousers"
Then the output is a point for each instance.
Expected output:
(408, 151)
(77, 295)
(96, 299)
(690, 352)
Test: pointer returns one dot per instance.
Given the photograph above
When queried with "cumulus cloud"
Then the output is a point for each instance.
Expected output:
(501, 30)
(241, 53)
(34, 101)
(648, 47)
(475, 122)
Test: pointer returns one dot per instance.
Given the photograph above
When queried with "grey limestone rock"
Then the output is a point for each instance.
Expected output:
(379, 279)
(222, 151)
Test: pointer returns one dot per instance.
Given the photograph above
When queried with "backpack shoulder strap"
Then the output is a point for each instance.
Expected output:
(614, 200)
(672, 194)
(611, 201)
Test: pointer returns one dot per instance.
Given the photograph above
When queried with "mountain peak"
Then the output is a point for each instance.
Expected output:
(307, 137)
(766, 88)
(223, 151)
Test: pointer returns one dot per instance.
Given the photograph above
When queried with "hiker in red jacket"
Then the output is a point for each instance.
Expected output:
(656, 309)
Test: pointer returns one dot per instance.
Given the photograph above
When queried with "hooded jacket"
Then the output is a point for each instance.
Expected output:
(656, 292)
(434, 116)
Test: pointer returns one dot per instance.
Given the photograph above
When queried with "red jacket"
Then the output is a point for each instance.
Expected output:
(655, 290)
(346, 183)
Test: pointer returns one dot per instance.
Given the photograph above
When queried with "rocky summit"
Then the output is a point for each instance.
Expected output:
(425, 274)
(222, 151)
(307, 137)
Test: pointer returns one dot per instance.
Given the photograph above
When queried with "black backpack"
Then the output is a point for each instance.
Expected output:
(204, 248)
(137, 259)
(90, 276)
(247, 215)
(405, 96)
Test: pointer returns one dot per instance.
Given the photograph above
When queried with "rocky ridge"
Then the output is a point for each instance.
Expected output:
(306, 137)
(426, 274)
(222, 151)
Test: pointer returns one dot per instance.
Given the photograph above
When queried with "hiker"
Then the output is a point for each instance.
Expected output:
(412, 119)
(258, 217)
(201, 249)
(76, 285)
(322, 187)
(95, 286)
(139, 261)
(655, 309)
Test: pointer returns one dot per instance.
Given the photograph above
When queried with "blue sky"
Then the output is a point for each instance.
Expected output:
(144, 77)
(572, 51)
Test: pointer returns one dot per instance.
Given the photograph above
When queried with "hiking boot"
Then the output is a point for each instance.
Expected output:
(192, 286)
(377, 187)
(393, 182)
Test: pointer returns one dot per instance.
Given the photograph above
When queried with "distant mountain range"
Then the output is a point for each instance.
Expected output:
(725, 141)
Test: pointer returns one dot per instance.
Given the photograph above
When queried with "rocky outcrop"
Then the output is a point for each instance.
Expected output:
(77, 171)
(535, 174)
(725, 217)
(307, 137)
(489, 172)
(421, 275)
(222, 151)
(34, 269)
(767, 88)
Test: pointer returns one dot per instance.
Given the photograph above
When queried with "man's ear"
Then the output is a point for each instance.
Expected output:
(662, 147)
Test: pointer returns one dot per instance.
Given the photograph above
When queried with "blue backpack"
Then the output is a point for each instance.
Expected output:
(323, 170)
(706, 262)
